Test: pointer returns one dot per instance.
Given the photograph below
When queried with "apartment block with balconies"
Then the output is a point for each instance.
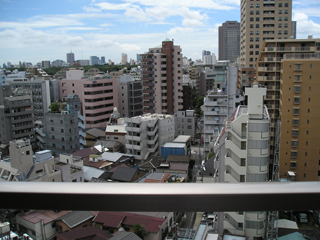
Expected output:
(162, 79)
(147, 133)
(260, 21)
(242, 153)
(268, 72)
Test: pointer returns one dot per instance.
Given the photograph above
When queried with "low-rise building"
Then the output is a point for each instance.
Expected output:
(71, 168)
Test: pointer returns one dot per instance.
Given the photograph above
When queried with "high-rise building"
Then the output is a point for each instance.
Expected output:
(103, 60)
(268, 73)
(162, 79)
(229, 40)
(299, 113)
(219, 104)
(129, 97)
(124, 59)
(45, 64)
(269, 20)
(94, 60)
(242, 151)
(70, 58)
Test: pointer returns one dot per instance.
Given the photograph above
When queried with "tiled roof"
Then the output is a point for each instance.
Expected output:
(114, 219)
(123, 174)
(179, 166)
(99, 164)
(85, 232)
(178, 158)
(156, 177)
(45, 215)
(86, 152)
(123, 235)
(76, 217)
(96, 132)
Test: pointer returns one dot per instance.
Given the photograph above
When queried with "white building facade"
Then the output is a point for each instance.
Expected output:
(242, 152)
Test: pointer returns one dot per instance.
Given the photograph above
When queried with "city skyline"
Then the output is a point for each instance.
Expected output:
(33, 31)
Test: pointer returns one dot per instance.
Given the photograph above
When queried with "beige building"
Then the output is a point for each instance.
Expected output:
(299, 112)
(262, 21)
(268, 72)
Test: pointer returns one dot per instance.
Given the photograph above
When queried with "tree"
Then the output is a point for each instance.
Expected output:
(139, 230)
(54, 107)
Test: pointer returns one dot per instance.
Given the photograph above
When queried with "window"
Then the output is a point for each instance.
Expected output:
(297, 78)
(286, 12)
(297, 89)
(286, 4)
(251, 46)
(52, 128)
(297, 66)
(294, 154)
(257, 46)
(280, 12)
(61, 121)
(251, 53)
(257, 25)
(294, 143)
(251, 19)
(257, 5)
(296, 111)
(257, 39)
(286, 25)
(257, 12)
(293, 164)
(280, 4)
(251, 5)
(251, 32)
(251, 12)
(257, 19)
(280, 19)
(251, 39)
(295, 132)
(257, 32)
(251, 25)
(62, 130)
(279, 25)
(295, 122)
(53, 137)
(296, 100)
(279, 32)
(286, 18)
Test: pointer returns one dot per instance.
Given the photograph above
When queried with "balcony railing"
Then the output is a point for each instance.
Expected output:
(191, 197)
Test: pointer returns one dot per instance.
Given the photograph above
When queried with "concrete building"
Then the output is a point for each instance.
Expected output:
(62, 133)
(84, 62)
(206, 80)
(242, 153)
(269, 72)
(185, 123)
(260, 22)
(229, 40)
(246, 76)
(17, 116)
(147, 133)
(45, 64)
(219, 104)
(129, 96)
(36, 73)
(205, 53)
(103, 60)
(23, 166)
(40, 94)
(70, 58)
(93, 60)
(299, 113)
(162, 79)
(186, 93)
(71, 168)
(98, 95)
(124, 59)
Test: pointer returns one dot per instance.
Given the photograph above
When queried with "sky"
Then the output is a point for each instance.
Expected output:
(32, 31)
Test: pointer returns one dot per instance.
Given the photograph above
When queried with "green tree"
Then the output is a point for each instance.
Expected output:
(54, 107)
(139, 230)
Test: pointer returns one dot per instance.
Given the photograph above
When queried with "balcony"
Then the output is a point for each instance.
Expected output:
(239, 169)
(234, 148)
(133, 129)
(153, 132)
(133, 138)
(153, 141)
(135, 147)
(153, 149)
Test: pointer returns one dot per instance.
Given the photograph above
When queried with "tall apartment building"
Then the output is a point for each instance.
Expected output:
(299, 112)
(98, 95)
(260, 21)
(129, 97)
(205, 53)
(242, 153)
(206, 81)
(40, 94)
(70, 58)
(218, 105)
(162, 79)
(16, 116)
(268, 72)
(45, 64)
(229, 40)
(147, 133)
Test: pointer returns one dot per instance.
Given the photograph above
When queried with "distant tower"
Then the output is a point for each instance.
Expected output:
(124, 59)
(103, 60)
(229, 40)
(70, 58)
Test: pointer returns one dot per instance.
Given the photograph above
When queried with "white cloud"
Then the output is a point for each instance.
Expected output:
(305, 26)
(111, 6)
(91, 9)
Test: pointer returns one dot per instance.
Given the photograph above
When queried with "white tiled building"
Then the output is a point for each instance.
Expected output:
(242, 152)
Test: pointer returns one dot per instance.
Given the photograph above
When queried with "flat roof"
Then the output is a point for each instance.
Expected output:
(174, 145)
(182, 138)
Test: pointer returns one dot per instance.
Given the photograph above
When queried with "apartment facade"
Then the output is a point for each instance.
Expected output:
(242, 153)
(185, 123)
(162, 79)
(17, 116)
(147, 133)
(130, 97)
(218, 105)
(299, 113)
(269, 20)
(40, 95)
(98, 95)
(229, 40)
(268, 72)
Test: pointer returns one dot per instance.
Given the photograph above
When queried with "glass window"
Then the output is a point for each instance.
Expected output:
(251, 32)
(297, 89)
(280, 12)
(294, 143)
(296, 100)
(251, 19)
(251, 12)
(257, 12)
(280, 4)
(295, 132)
(286, 4)
(295, 122)
(280, 25)
(296, 111)
(257, 5)
(251, 5)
